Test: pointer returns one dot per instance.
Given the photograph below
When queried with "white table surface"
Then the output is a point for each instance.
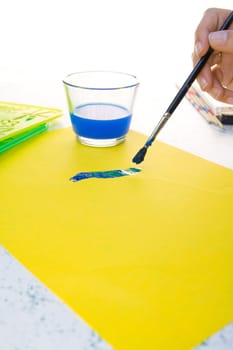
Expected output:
(33, 318)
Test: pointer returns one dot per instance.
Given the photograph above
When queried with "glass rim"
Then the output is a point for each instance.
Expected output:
(88, 87)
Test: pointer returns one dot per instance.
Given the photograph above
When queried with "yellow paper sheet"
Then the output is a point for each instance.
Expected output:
(145, 259)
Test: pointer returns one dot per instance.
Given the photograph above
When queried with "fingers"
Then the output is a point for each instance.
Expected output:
(217, 90)
(207, 34)
(206, 79)
(221, 94)
(222, 41)
(211, 21)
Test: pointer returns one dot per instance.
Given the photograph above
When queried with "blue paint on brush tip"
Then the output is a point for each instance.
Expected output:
(108, 174)
(139, 157)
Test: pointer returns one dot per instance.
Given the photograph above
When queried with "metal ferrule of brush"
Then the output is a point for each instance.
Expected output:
(158, 127)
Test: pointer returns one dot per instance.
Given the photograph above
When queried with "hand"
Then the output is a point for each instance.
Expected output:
(216, 77)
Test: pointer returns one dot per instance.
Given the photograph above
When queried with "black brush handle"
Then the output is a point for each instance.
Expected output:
(196, 70)
(139, 157)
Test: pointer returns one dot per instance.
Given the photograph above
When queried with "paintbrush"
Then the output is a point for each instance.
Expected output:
(140, 155)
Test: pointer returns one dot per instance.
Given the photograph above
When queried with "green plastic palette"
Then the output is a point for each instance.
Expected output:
(18, 118)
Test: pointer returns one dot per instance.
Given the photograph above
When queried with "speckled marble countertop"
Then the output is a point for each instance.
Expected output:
(222, 340)
(33, 318)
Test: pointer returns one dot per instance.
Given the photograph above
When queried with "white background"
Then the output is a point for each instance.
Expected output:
(44, 40)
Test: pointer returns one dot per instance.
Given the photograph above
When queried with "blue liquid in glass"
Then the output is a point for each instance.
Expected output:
(100, 120)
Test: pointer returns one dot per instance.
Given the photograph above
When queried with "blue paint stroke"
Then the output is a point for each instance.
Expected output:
(109, 174)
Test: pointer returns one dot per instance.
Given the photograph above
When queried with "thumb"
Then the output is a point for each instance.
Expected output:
(222, 41)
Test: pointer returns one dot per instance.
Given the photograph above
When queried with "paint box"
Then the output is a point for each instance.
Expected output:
(16, 118)
(24, 136)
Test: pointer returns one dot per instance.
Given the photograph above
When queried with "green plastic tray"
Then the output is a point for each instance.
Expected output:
(17, 118)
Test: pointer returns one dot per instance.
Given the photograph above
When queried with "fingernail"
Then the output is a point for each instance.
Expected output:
(198, 48)
(216, 92)
(218, 37)
(203, 83)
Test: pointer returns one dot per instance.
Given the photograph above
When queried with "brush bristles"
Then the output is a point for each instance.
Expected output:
(139, 157)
